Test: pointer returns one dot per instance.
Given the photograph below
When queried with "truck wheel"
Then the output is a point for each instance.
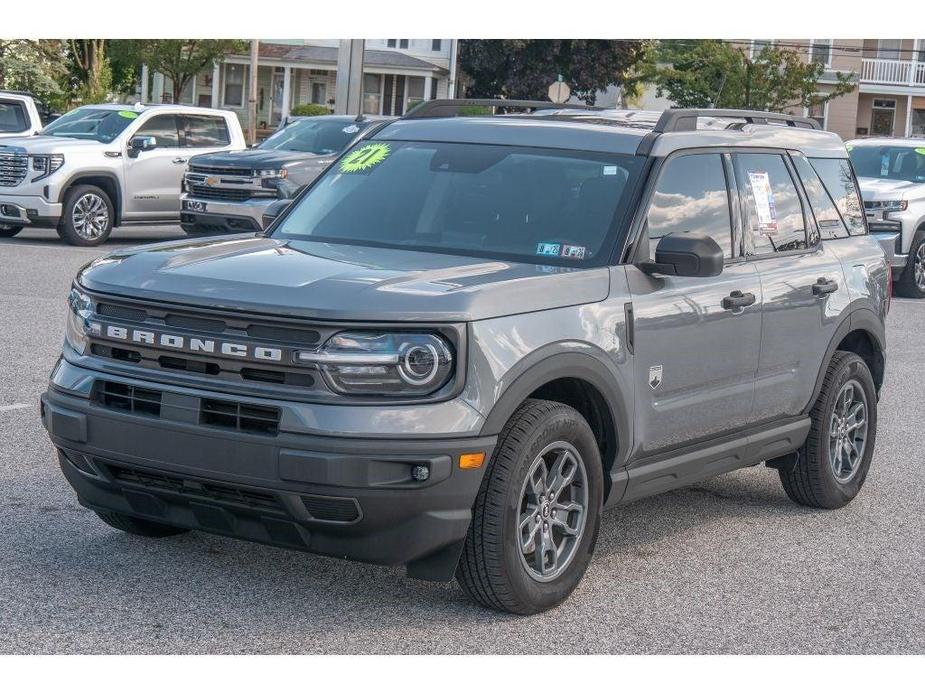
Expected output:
(139, 526)
(911, 282)
(829, 470)
(8, 232)
(86, 216)
(537, 513)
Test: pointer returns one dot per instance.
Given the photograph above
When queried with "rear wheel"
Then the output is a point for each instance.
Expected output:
(830, 469)
(86, 216)
(7, 231)
(912, 280)
(537, 514)
(138, 526)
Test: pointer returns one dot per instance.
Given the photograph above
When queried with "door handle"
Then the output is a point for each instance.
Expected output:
(824, 286)
(738, 299)
(179, 160)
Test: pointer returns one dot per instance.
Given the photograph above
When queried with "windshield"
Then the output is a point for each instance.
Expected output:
(554, 207)
(315, 135)
(88, 123)
(12, 117)
(890, 162)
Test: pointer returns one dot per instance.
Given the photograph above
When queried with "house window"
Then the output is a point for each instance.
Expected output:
(436, 44)
(372, 97)
(882, 117)
(820, 52)
(391, 43)
(415, 92)
(918, 121)
(234, 85)
(186, 94)
(402, 43)
(889, 49)
(819, 113)
(759, 45)
(433, 89)
(319, 93)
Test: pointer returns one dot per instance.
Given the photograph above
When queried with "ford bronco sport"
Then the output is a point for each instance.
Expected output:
(101, 166)
(471, 335)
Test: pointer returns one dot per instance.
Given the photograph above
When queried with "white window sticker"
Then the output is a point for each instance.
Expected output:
(764, 202)
(610, 170)
(574, 252)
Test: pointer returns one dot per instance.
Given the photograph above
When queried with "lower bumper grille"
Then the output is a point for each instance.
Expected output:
(129, 398)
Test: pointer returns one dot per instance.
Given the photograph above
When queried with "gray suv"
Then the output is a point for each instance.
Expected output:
(471, 335)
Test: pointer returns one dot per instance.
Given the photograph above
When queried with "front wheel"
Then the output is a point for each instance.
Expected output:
(537, 514)
(86, 216)
(830, 469)
(912, 280)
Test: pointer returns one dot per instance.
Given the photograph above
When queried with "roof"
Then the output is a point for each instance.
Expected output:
(611, 131)
(328, 55)
(140, 108)
(888, 142)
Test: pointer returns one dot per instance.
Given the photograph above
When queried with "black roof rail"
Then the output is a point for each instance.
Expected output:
(448, 108)
(685, 119)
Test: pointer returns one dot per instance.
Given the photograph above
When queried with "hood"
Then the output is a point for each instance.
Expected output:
(887, 189)
(48, 144)
(257, 158)
(338, 282)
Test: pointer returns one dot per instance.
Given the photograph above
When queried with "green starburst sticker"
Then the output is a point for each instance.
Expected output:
(365, 157)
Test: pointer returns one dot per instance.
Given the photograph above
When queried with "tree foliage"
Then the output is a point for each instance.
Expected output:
(524, 68)
(712, 73)
(179, 59)
(35, 66)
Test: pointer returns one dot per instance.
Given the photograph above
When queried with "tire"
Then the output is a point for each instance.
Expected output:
(814, 479)
(8, 232)
(86, 216)
(139, 526)
(493, 569)
(911, 282)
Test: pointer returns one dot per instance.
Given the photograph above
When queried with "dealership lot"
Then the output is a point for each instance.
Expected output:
(727, 566)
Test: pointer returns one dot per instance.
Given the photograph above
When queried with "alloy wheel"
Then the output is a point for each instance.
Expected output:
(552, 511)
(90, 216)
(848, 431)
(919, 267)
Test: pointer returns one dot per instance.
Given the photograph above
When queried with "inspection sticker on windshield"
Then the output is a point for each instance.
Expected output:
(610, 170)
(764, 202)
(131, 115)
(573, 252)
(365, 158)
(548, 248)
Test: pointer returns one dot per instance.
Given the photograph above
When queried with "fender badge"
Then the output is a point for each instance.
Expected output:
(655, 376)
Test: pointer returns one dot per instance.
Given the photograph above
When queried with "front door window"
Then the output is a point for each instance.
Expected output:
(882, 116)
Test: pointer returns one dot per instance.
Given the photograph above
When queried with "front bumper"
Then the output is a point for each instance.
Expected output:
(348, 497)
(234, 217)
(890, 240)
(28, 210)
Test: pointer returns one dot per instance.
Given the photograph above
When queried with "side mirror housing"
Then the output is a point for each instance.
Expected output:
(141, 143)
(686, 255)
(274, 210)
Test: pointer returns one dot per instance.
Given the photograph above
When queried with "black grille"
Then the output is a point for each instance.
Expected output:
(229, 194)
(221, 170)
(251, 419)
(331, 508)
(13, 167)
(198, 489)
(129, 398)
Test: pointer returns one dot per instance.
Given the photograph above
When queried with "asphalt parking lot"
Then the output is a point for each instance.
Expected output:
(728, 566)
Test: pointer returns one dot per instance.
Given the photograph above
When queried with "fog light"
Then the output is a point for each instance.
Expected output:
(471, 461)
(420, 472)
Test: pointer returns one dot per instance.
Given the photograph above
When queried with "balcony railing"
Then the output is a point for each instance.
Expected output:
(909, 73)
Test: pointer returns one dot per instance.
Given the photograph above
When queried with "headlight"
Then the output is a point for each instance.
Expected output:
(79, 326)
(373, 363)
(271, 178)
(894, 205)
(46, 164)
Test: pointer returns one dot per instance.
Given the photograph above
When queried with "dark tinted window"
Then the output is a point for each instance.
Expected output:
(12, 117)
(828, 218)
(691, 196)
(891, 162)
(838, 180)
(206, 131)
(773, 214)
(541, 206)
(163, 128)
(320, 135)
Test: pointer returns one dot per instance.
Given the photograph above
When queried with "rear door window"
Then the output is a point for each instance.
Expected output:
(206, 131)
(838, 178)
(828, 218)
(691, 197)
(773, 217)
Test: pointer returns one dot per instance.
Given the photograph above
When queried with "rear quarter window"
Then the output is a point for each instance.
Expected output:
(838, 178)
(12, 117)
(828, 218)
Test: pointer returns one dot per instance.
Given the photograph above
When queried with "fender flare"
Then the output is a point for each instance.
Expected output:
(571, 360)
(860, 318)
(96, 173)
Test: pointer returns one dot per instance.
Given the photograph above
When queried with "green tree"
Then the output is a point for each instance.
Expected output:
(524, 68)
(35, 66)
(713, 73)
(179, 59)
(90, 70)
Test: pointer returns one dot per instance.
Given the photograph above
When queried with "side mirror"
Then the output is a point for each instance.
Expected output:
(686, 255)
(141, 143)
(274, 210)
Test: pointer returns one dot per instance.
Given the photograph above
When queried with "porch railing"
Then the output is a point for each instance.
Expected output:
(897, 72)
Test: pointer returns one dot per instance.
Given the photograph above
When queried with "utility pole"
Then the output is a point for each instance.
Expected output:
(349, 92)
(252, 95)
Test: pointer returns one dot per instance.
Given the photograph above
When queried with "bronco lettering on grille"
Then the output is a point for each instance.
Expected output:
(192, 344)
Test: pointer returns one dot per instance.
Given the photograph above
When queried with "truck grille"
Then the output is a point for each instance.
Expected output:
(13, 166)
(220, 170)
(228, 194)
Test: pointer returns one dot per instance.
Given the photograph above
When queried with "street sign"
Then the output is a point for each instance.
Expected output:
(559, 92)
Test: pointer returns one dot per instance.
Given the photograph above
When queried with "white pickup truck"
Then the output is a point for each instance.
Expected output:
(19, 116)
(100, 166)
